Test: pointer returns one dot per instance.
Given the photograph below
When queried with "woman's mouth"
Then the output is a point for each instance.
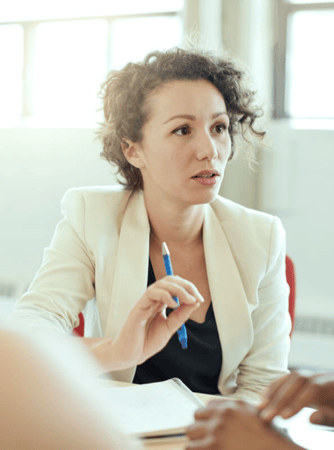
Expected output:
(206, 180)
(205, 176)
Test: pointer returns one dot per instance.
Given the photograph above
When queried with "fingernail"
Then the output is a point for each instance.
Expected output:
(263, 405)
(266, 413)
(286, 413)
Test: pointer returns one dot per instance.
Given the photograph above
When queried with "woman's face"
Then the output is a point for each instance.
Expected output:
(186, 133)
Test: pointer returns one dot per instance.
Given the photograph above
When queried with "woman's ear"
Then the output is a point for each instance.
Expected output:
(133, 153)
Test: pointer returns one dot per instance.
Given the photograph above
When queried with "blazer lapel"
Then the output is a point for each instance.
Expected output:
(227, 293)
(131, 271)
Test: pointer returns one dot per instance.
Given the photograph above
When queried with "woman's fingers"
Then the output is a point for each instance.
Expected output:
(147, 328)
(159, 295)
(146, 307)
(183, 286)
(177, 318)
(165, 289)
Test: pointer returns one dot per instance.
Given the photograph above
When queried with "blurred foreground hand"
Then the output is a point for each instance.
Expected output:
(288, 395)
(231, 425)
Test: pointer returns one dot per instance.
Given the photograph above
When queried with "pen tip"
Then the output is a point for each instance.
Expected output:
(165, 249)
(183, 342)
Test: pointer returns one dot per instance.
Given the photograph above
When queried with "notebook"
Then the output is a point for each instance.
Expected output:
(155, 410)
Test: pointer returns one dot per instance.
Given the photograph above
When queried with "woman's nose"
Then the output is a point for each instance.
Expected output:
(206, 147)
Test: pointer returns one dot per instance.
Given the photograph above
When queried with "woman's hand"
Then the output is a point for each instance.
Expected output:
(288, 395)
(147, 329)
(230, 425)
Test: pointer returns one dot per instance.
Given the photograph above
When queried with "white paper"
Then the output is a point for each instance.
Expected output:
(306, 434)
(151, 409)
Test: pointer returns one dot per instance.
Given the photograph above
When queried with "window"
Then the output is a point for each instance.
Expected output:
(304, 66)
(70, 64)
(11, 57)
(164, 31)
(54, 67)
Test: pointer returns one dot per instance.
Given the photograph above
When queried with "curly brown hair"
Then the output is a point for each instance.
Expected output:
(125, 94)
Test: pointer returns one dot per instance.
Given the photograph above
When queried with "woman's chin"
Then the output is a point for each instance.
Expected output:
(203, 197)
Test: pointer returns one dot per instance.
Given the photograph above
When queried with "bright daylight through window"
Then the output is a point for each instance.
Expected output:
(309, 68)
(56, 59)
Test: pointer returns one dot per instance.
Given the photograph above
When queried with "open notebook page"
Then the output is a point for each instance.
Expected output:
(152, 409)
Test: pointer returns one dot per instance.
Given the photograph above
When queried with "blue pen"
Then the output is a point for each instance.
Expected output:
(182, 332)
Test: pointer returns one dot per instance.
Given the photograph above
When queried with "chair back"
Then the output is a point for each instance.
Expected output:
(291, 280)
(79, 330)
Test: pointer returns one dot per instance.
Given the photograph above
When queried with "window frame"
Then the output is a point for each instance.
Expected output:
(29, 28)
(282, 12)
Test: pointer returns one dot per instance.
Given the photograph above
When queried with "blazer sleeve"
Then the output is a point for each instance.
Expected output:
(267, 359)
(65, 281)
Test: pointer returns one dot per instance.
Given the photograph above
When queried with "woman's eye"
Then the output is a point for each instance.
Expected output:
(182, 131)
(220, 128)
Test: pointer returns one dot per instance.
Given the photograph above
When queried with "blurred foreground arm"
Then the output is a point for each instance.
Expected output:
(44, 405)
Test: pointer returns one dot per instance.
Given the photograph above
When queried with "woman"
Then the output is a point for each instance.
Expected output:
(170, 126)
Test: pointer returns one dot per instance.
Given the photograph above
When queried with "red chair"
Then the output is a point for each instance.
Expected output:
(291, 280)
(79, 330)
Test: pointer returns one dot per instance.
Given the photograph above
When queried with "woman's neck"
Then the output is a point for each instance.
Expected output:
(177, 226)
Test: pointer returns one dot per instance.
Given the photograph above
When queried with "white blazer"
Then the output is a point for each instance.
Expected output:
(100, 252)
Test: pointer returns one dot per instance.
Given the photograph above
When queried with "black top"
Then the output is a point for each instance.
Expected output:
(198, 366)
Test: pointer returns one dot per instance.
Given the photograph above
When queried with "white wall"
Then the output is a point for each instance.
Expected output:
(37, 167)
(298, 185)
